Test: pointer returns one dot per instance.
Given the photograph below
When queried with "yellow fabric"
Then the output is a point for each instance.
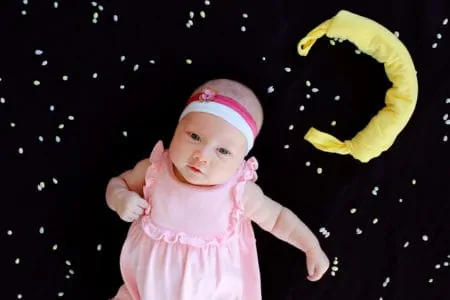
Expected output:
(378, 42)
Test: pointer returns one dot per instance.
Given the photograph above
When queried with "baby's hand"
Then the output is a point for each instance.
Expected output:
(317, 263)
(130, 206)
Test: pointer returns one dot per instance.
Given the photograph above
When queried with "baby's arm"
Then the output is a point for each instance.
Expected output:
(285, 225)
(124, 192)
(276, 219)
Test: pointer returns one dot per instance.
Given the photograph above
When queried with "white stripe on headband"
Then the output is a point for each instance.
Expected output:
(224, 112)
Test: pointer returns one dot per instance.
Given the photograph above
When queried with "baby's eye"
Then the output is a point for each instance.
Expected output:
(195, 136)
(224, 151)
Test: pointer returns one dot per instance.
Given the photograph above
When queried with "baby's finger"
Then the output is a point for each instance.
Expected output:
(137, 211)
(143, 203)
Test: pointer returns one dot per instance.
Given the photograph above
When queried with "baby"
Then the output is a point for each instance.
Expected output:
(192, 206)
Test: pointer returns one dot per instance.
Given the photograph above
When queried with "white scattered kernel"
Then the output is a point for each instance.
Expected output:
(36, 82)
(314, 90)
(19, 296)
(152, 61)
(122, 87)
(100, 8)
(52, 107)
(207, 2)
(44, 63)
(191, 14)
(12, 124)
(375, 221)
(357, 51)
(71, 272)
(439, 36)
(95, 16)
(322, 230)
(9, 232)
(2, 100)
(60, 294)
(400, 200)
(55, 4)
(21, 150)
(335, 268)
(68, 263)
(445, 264)
(434, 45)
(41, 230)
(291, 127)
(55, 247)
(122, 58)
(397, 34)
(68, 276)
(308, 163)
(447, 101)
(38, 52)
(24, 12)
(71, 118)
(93, 3)
(94, 21)
(136, 67)
(61, 126)
(430, 280)
(445, 117)
(327, 235)
(25, 2)
(438, 266)
(301, 108)
(337, 97)
(188, 61)
(308, 83)
(358, 231)
(447, 122)
(116, 18)
(99, 247)
(202, 14)
(65, 77)
(57, 139)
(353, 210)
(445, 138)
(425, 237)
(124, 133)
(413, 182)
(243, 29)
(319, 170)
(263, 58)
(332, 42)
(287, 69)
(308, 96)
(17, 261)
(445, 21)
(286, 146)
(55, 181)
(270, 89)
(244, 15)
(333, 123)
(333, 273)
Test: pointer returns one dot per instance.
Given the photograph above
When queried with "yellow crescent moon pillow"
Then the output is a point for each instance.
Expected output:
(378, 42)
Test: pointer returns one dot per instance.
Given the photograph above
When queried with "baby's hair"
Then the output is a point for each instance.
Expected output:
(239, 92)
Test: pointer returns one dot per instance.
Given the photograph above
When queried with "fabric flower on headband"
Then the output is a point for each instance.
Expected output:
(208, 95)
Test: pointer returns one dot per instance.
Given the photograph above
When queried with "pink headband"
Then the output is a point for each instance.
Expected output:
(209, 101)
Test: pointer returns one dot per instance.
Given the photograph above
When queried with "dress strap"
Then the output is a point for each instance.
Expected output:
(247, 173)
(156, 161)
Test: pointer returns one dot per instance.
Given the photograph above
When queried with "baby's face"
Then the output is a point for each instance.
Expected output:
(206, 150)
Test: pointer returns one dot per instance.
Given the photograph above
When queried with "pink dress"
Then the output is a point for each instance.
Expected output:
(194, 243)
